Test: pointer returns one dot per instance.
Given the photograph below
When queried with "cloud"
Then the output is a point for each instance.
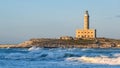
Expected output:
(118, 16)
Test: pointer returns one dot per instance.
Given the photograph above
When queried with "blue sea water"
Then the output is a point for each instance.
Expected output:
(59, 58)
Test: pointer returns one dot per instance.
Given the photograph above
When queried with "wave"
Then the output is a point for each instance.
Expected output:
(117, 55)
(58, 54)
(33, 48)
(85, 49)
(96, 60)
(36, 53)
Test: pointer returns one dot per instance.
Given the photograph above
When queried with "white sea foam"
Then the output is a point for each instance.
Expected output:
(33, 48)
(103, 56)
(85, 49)
(96, 60)
(117, 55)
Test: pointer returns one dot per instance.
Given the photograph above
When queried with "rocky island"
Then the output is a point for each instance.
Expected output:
(67, 43)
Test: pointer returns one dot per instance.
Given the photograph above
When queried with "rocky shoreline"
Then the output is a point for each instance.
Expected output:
(72, 43)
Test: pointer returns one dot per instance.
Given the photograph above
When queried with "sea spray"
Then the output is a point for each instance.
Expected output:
(96, 60)
(33, 48)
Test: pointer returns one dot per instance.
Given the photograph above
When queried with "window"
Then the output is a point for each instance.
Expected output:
(85, 36)
(88, 35)
(81, 36)
(91, 35)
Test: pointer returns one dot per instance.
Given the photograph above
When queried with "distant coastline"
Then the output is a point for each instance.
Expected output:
(67, 43)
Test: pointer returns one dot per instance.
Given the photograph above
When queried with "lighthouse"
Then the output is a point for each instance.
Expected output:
(86, 20)
(86, 32)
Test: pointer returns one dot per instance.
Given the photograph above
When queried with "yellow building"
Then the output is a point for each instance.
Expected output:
(86, 32)
(66, 38)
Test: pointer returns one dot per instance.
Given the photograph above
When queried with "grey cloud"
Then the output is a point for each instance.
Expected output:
(118, 16)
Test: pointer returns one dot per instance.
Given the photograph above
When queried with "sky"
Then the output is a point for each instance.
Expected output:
(22, 20)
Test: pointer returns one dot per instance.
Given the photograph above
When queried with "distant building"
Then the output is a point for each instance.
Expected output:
(86, 32)
(66, 38)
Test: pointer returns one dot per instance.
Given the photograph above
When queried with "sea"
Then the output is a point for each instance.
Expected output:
(36, 57)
